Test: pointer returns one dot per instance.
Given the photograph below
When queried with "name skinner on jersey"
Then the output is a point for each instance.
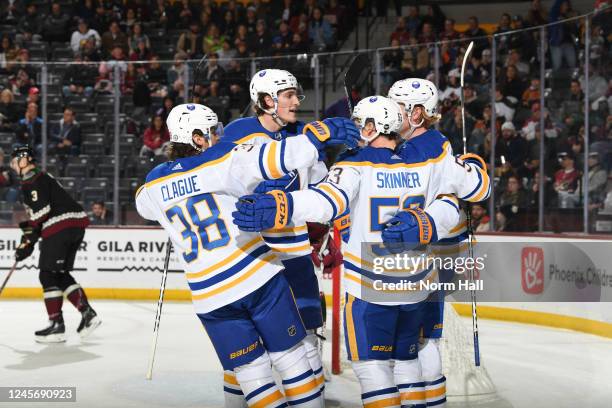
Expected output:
(179, 188)
(404, 179)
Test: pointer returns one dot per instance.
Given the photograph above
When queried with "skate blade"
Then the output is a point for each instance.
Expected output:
(52, 338)
(93, 326)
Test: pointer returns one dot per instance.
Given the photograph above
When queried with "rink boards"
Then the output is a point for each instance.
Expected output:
(532, 278)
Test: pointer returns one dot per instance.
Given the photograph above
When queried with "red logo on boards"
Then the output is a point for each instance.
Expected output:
(532, 270)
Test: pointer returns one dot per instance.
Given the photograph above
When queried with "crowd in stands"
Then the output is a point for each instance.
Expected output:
(517, 104)
(90, 42)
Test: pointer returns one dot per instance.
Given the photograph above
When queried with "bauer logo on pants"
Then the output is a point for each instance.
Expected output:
(532, 270)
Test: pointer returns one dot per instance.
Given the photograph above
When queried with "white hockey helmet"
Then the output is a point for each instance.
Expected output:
(416, 91)
(271, 82)
(380, 110)
(184, 119)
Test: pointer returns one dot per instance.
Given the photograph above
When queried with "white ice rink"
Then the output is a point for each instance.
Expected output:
(531, 366)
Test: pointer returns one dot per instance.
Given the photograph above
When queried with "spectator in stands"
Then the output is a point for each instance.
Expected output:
(598, 86)
(561, 36)
(213, 41)
(127, 23)
(427, 34)
(512, 84)
(160, 13)
(55, 25)
(474, 106)
(9, 185)
(522, 40)
(9, 111)
(117, 59)
(155, 138)
(287, 11)
(33, 95)
(512, 146)
(10, 11)
(449, 32)
(89, 51)
(185, 14)
(298, 45)
(228, 25)
(191, 41)
(284, 36)
(29, 26)
(80, 36)
(226, 54)
(177, 70)
(79, 79)
(21, 82)
(86, 10)
(136, 35)
(503, 107)
(514, 59)
(65, 136)
(598, 180)
(536, 15)
(8, 52)
(114, 38)
(401, 34)
(235, 79)
(452, 91)
(157, 77)
(503, 41)
(480, 219)
(566, 181)
(29, 130)
(514, 195)
(102, 19)
(474, 30)
(413, 21)
(531, 95)
(100, 215)
(260, 40)
(320, 32)
(141, 52)
(392, 63)
(167, 105)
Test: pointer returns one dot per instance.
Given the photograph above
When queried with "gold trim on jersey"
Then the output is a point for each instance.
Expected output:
(240, 251)
(398, 165)
(251, 137)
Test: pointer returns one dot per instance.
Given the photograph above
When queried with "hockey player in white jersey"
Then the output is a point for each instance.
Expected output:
(275, 95)
(238, 292)
(381, 325)
(418, 99)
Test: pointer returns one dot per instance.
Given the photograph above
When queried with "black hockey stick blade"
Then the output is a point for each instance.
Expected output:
(356, 75)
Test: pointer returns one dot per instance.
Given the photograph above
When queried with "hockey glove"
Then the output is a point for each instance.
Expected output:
(289, 182)
(409, 229)
(25, 249)
(258, 212)
(332, 131)
(474, 159)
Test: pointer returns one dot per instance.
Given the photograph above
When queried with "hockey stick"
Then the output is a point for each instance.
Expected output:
(196, 74)
(8, 277)
(468, 213)
(354, 74)
(159, 309)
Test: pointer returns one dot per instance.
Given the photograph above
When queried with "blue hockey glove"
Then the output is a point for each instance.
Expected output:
(409, 229)
(333, 131)
(258, 212)
(289, 182)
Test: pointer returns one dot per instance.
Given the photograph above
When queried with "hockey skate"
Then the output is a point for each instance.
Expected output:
(55, 333)
(89, 322)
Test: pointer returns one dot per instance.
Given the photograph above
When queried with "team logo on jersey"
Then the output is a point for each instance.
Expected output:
(262, 73)
(532, 270)
(373, 99)
(190, 107)
(416, 85)
(292, 331)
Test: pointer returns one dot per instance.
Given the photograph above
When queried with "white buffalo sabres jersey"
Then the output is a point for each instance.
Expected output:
(292, 240)
(193, 199)
(374, 183)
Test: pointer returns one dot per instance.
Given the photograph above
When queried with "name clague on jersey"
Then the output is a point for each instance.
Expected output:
(179, 188)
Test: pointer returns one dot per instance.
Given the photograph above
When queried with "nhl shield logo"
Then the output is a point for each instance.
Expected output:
(292, 330)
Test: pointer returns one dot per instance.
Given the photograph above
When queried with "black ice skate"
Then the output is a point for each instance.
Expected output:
(55, 333)
(89, 322)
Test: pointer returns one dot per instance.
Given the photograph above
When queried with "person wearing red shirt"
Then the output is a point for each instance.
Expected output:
(566, 182)
(155, 138)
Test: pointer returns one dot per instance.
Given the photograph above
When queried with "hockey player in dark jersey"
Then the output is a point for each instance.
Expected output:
(60, 223)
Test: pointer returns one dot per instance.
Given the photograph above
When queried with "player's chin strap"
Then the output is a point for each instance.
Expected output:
(274, 114)
(414, 126)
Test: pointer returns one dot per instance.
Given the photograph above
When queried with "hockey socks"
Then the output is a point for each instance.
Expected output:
(378, 389)
(299, 383)
(76, 295)
(311, 343)
(407, 374)
(431, 371)
(257, 384)
(53, 302)
(435, 392)
(234, 398)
